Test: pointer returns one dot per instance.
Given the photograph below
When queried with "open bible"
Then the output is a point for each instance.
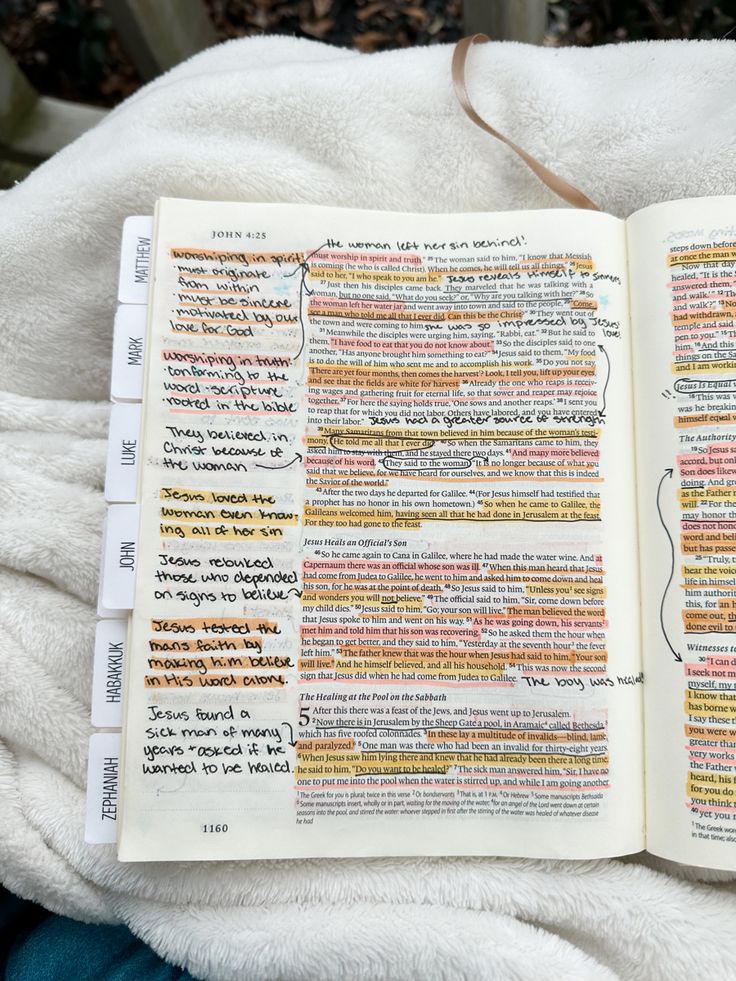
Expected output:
(434, 546)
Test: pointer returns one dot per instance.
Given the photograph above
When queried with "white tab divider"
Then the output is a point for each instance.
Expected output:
(102, 611)
(103, 784)
(123, 442)
(111, 638)
(119, 558)
(135, 259)
(128, 352)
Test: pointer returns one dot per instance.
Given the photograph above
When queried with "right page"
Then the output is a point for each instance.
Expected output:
(682, 265)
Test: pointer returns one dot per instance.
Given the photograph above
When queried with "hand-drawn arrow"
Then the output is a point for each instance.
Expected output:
(303, 267)
(303, 288)
(292, 741)
(608, 378)
(281, 466)
(667, 473)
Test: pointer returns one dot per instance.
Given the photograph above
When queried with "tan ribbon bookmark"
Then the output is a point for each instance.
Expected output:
(566, 191)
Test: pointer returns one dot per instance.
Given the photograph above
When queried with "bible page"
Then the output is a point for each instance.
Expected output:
(387, 596)
(683, 296)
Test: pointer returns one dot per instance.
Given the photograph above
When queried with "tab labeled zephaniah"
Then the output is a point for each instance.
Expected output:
(103, 785)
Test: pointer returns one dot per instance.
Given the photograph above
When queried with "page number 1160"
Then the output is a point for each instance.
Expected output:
(214, 829)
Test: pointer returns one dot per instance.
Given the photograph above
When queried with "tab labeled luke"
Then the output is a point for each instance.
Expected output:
(121, 476)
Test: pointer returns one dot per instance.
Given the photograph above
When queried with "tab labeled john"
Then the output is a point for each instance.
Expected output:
(119, 560)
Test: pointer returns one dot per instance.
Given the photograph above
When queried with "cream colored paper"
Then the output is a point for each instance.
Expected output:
(387, 597)
(682, 258)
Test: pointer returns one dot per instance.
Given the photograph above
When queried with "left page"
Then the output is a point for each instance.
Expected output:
(387, 596)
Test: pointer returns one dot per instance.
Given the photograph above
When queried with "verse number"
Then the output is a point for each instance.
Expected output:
(215, 829)
(255, 234)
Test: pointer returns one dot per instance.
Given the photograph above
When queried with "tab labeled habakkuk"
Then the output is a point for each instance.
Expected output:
(107, 679)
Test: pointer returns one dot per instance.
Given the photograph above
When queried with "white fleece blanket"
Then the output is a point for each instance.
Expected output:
(276, 119)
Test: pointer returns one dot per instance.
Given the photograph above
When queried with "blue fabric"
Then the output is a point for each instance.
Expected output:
(17, 918)
(60, 949)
